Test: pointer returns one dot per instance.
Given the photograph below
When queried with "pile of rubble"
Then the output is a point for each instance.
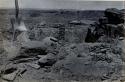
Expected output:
(111, 25)
(72, 62)
(89, 62)
(34, 54)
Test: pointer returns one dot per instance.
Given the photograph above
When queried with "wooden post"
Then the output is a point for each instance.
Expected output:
(16, 19)
(16, 9)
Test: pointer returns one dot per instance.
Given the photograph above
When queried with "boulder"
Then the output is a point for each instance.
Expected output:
(47, 60)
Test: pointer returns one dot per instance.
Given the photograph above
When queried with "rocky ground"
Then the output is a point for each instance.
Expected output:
(86, 51)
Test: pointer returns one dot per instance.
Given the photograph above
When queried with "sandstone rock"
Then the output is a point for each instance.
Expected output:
(11, 76)
(114, 16)
(47, 60)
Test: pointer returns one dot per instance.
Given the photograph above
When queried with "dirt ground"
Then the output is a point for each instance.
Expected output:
(72, 59)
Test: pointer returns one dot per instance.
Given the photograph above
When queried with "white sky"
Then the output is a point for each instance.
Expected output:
(63, 4)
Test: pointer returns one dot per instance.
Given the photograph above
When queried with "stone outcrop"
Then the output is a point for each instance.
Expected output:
(111, 25)
(115, 16)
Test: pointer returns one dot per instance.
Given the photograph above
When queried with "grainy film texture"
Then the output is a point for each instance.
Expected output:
(62, 41)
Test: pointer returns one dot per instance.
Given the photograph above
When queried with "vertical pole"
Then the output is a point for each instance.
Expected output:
(16, 19)
(16, 9)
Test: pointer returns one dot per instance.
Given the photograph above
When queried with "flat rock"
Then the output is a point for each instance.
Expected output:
(36, 66)
(10, 77)
(47, 60)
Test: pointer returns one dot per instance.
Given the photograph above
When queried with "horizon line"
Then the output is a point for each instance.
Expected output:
(54, 9)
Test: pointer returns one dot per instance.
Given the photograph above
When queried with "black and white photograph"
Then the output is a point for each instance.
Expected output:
(62, 41)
